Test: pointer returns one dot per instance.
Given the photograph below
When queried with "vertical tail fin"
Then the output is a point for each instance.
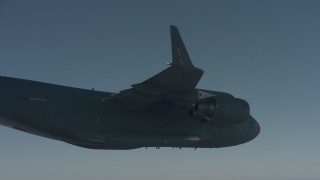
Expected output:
(180, 56)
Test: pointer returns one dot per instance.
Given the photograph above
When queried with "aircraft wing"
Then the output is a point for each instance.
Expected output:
(180, 77)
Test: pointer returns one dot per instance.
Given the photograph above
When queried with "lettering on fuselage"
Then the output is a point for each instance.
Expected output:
(22, 98)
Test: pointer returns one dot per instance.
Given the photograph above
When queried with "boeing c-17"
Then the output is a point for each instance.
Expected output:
(166, 110)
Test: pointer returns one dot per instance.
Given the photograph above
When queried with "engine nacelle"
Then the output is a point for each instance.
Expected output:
(221, 110)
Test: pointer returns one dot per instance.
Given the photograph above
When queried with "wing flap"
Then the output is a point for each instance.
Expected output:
(135, 94)
(151, 89)
(131, 99)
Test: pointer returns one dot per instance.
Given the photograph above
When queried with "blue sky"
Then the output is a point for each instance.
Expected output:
(266, 52)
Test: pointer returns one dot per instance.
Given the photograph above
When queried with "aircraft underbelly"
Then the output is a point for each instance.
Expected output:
(139, 131)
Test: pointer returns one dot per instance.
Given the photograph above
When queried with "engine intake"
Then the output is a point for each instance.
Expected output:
(221, 110)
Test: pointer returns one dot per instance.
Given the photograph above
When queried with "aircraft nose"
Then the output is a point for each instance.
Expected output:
(247, 131)
(254, 127)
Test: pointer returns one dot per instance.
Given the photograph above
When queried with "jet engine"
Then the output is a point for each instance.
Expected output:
(221, 110)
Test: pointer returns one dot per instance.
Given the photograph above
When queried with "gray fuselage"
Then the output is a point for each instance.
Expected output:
(79, 117)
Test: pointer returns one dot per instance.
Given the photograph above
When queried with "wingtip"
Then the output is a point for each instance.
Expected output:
(173, 27)
(180, 56)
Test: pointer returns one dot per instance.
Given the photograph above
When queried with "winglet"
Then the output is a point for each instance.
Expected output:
(180, 56)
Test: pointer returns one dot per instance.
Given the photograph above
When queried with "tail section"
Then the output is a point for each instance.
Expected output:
(180, 56)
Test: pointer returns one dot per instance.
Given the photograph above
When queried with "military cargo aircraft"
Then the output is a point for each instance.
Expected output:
(165, 110)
